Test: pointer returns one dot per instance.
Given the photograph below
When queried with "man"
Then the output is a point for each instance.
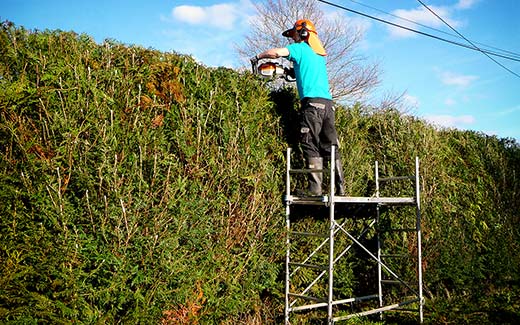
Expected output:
(317, 127)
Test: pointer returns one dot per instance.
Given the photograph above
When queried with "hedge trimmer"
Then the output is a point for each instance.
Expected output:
(274, 69)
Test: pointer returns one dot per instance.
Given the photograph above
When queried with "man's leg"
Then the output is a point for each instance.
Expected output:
(315, 178)
(329, 138)
(310, 128)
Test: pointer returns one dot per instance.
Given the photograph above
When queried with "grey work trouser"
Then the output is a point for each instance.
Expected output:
(317, 127)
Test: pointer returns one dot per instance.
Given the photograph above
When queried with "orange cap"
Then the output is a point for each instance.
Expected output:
(308, 33)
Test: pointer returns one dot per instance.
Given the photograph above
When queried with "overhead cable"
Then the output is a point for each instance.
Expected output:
(472, 47)
(467, 40)
(505, 52)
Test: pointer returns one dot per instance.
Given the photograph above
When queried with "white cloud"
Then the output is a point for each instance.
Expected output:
(190, 14)
(465, 4)
(422, 16)
(208, 33)
(220, 16)
(450, 102)
(508, 111)
(453, 79)
(412, 101)
(450, 120)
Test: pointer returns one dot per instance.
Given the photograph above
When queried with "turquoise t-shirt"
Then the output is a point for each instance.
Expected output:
(310, 71)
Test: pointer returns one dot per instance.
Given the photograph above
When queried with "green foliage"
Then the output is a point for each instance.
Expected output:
(140, 187)
(469, 200)
(134, 183)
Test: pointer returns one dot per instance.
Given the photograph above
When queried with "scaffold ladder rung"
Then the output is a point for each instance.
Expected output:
(375, 311)
(295, 295)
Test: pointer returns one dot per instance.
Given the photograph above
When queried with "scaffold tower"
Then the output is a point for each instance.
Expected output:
(320, 267)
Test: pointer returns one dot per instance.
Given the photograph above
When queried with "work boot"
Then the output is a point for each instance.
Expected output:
(315, 179)
(339, 179)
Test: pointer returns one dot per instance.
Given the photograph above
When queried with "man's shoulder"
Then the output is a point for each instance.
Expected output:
(293, 46)
(300, 45)
(298, 49)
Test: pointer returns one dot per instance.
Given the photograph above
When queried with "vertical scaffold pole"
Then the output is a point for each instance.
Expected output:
(418, 228)
(331, 233)
(288, 228)
(379, 273)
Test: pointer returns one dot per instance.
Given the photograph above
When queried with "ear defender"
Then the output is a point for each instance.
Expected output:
(303, 32)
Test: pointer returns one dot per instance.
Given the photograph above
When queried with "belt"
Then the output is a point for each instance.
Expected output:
(317, 101)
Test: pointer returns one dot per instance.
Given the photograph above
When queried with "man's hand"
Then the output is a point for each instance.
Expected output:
(254, 64)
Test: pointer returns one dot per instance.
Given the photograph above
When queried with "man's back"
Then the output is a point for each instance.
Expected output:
(310, 70)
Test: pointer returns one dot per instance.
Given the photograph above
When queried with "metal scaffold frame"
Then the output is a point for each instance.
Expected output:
(335, 229)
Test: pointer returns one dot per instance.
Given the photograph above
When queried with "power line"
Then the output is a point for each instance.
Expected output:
(432, 28)
(419, 32)
(467, 40)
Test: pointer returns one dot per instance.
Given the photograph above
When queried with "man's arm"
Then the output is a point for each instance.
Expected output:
(274, 53)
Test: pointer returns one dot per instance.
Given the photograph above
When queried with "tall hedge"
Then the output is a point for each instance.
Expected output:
(138, 186)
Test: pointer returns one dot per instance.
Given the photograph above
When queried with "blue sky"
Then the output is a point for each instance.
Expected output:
(445, 84)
